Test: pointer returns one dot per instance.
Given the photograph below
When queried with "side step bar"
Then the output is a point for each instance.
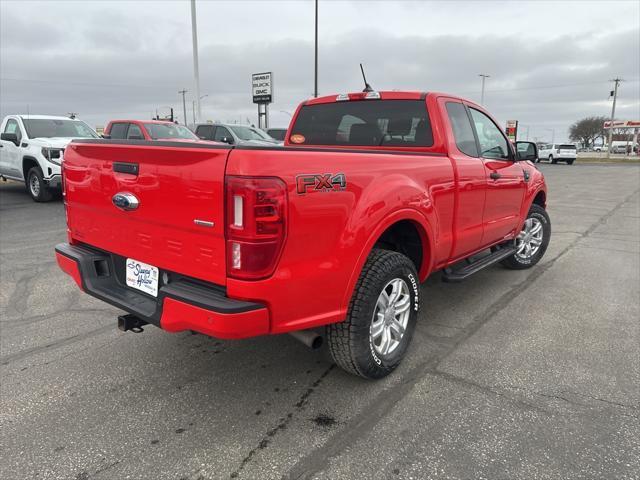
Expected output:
(453, 276)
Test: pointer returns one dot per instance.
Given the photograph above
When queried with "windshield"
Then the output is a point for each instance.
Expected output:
(373, 123)
(248, 133)
(49, 128)
(169, 130)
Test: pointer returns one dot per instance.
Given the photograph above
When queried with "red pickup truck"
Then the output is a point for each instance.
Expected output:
(371, 193)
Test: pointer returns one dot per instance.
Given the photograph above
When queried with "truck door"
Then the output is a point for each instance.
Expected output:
(10, 154)
(471, 179)
(505, 179)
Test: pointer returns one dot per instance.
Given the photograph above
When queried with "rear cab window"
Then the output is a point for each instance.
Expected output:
(118, 131)
(364, 123)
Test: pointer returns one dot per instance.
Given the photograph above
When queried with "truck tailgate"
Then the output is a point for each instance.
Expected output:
(179, 222)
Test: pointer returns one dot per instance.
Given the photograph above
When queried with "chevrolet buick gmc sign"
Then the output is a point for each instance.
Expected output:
(262, 87)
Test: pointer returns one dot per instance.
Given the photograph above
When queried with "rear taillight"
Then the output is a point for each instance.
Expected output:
(255, 225)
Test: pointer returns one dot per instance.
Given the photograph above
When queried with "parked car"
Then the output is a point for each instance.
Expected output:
(277, 133)
(233, 134)
(335, 229)
(565, 152)
(147, 130)
(600, 148)
(32, 148)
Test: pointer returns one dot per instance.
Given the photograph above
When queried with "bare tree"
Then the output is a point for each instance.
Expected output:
(588, 130)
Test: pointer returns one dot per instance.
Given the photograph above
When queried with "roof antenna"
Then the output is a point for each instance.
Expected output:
(367, 87)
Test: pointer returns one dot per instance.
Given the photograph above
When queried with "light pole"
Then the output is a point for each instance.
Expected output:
(196, 70)
(194, 108)
(184, 105)
(553, 134)
(613, 113)
(484, 77)
(315, 74)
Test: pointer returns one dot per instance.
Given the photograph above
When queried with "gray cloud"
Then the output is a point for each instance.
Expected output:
(109, 63)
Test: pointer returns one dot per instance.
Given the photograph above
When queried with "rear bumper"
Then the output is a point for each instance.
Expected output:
(182, 303)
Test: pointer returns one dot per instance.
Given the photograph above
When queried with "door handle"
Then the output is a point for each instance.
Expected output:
(495, 175)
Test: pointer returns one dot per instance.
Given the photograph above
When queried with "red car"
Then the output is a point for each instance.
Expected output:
(147, 130)
(371, 193)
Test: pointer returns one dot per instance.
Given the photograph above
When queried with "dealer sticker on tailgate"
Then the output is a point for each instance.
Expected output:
(142, 276)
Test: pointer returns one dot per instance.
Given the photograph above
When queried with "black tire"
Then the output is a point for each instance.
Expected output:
(552, 160)
(570, 161)
(517, 262)
(36, 187)
(350, 342)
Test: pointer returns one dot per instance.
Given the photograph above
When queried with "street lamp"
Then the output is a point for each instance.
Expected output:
(553, 134)
(484, 77)
(194, 108)
(196, 71)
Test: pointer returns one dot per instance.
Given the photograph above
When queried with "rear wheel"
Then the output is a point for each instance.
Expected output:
(382, 316)
(570, 161)
(38, 190)
(532, 241)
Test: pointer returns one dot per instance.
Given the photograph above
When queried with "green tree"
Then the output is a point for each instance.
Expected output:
(588, 130)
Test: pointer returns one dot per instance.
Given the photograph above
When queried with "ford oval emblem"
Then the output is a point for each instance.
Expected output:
(125, 201)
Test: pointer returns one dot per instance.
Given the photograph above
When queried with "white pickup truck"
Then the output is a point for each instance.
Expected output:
(31, 150)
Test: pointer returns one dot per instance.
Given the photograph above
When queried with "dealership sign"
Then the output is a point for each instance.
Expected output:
(623, 124)
(262, 87)
(512, 130)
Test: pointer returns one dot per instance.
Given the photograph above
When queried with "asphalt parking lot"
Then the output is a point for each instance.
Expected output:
(512, 374)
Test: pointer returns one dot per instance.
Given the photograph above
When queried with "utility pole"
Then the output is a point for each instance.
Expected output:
(613, 113)
(196, 70)
(315, 73)
(484, 77)
(184, 105)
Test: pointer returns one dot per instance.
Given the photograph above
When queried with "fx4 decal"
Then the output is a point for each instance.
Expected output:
(320, 182)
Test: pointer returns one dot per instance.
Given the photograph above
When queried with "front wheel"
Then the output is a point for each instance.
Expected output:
(552, 160)
(382, 316)
(38, 190)
(532, 241)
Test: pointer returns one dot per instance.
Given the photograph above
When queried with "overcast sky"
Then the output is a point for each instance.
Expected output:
(549, 61)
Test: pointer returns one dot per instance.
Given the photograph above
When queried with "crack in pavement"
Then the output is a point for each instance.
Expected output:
(27, 352)
(363, 422)
(284, 421)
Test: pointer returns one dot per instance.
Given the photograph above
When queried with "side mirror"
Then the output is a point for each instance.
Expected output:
(106, 135)
(526, 151)
(227, 140)
(202, 137)
(10, 137)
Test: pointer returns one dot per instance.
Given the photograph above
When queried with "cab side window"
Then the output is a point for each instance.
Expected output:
(493, 143)
(205, 132)
(134, 132)
(462, 129)
(13, 127)
(222, 132)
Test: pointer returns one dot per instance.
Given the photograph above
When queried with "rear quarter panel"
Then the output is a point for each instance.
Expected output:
(330, 233)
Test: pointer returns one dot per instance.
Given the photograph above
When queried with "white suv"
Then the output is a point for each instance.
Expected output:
(31, 150)
(565, 152)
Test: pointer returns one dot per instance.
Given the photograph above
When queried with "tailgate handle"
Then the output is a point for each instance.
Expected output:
(123, 167)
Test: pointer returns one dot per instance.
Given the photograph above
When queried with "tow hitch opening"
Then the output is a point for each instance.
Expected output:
(131, 323)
